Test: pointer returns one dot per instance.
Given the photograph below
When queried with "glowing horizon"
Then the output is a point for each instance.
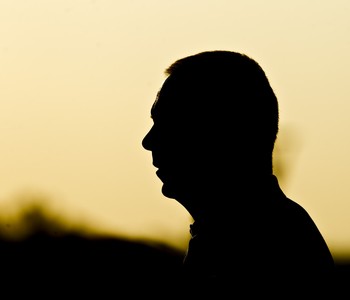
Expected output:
(78, 80)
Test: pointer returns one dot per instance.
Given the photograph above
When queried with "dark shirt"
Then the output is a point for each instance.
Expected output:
(270, 244)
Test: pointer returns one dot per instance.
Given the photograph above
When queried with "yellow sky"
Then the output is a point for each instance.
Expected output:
(78, 78)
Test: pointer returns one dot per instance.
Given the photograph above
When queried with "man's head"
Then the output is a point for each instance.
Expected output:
(215, 113)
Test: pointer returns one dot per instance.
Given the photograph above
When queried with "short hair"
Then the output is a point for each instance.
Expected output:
(234, 88)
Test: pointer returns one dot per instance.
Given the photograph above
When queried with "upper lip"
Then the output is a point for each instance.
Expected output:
(156, 165)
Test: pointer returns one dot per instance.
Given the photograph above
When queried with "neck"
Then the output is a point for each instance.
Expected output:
(211, 202)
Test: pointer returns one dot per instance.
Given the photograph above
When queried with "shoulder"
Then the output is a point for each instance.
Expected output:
(298, 217)
(305, 234)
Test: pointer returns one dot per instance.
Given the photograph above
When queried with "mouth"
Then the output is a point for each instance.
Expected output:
(155, 164)
(164, 176)
(159, 174)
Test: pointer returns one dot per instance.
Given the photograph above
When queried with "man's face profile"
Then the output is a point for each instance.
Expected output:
(164, 140)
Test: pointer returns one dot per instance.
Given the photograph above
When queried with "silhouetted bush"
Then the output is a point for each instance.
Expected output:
(49, 259)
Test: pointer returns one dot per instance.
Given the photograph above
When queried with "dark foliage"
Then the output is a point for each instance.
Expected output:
(50, 265)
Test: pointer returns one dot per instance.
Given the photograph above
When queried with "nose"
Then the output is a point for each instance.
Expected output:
(147, 140)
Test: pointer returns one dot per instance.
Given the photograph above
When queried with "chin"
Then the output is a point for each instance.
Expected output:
(168, 192)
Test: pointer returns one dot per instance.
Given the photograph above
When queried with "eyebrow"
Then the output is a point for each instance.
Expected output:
(157, 97)
(154, 103)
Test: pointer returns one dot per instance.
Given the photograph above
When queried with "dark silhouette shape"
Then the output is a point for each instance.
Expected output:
(52, 261)
(215, 125)
(72, 264)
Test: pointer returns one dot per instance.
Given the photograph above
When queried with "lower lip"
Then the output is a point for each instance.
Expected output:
(158, 173)
(161, 175)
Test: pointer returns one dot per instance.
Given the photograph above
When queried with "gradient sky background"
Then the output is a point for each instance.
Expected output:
(78, 78)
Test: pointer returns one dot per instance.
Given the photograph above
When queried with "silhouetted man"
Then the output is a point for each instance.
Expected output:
(215, 125)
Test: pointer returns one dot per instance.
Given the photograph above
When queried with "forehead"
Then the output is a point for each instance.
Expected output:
(168, 100)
